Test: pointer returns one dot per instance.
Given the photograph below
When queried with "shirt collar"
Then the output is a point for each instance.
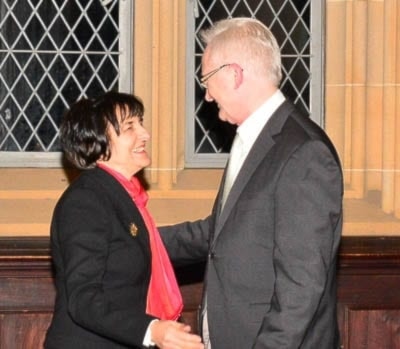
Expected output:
(250, 129)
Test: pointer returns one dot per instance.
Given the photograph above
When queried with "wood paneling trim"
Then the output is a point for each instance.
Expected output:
(357, 247)
(365, 252)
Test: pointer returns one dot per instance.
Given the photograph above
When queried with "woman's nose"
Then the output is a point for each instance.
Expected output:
(144, 134)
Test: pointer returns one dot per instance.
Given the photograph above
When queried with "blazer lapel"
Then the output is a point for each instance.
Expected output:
(126, 209)
(260, 149)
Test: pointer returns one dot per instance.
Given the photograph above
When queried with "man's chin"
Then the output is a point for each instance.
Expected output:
(222, 116)
(227, 119)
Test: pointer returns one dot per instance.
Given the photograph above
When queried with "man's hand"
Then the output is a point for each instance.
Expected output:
(174, 335)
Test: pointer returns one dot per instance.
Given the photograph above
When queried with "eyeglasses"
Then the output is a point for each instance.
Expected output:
(205, 77)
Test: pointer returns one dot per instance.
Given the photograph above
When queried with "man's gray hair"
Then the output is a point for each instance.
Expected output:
(250, 39)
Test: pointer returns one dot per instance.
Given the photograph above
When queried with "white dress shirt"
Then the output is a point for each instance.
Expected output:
(246, 135)
(252, 126)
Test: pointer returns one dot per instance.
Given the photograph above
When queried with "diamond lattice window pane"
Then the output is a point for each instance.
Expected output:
(52, 52)
(290, 22)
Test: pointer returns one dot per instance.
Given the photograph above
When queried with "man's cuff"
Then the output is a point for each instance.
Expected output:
(147, 342)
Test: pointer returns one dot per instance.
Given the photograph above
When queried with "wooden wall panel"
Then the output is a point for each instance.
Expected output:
(373, 329)
(27, 292)
(22, 330)
(368, 292)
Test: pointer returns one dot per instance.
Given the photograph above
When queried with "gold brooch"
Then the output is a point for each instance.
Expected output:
(133, 229)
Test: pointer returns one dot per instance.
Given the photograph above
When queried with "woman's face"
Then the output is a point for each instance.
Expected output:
(128, 149)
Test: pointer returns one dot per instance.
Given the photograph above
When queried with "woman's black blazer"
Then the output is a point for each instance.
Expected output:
(102, 260)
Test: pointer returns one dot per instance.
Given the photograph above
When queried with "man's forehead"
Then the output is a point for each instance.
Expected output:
(205, 60)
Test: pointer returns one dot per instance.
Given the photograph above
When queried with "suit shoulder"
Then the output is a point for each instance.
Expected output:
(97, 180)
(93, 184)
(81, 189)
(300, 128)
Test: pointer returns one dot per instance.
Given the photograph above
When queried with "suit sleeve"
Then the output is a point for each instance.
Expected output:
(81, 232)
(308, 202)
(187, 242)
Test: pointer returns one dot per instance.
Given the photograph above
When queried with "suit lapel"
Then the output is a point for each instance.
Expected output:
(124, 206)
(260, 149)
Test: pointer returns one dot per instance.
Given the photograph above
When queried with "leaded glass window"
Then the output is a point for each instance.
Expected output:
(53, 52)
(297, 25)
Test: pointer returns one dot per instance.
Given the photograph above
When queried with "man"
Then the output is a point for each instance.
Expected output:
(273, 234)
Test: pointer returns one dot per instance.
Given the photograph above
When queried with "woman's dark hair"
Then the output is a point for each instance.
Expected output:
(84, 128)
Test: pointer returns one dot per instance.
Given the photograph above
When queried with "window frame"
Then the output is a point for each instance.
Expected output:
(10, 159)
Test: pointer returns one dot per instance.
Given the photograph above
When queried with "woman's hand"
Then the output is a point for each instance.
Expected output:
(174, 335)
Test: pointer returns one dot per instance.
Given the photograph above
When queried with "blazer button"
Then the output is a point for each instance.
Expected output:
(211, 255)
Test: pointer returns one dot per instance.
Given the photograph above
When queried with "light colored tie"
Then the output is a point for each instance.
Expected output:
(236, 158)
(206, 333)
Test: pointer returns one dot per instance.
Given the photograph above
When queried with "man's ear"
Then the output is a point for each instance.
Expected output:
(238, 74)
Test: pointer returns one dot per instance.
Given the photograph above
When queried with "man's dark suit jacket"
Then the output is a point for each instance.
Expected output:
(102, 270)
(270, 279)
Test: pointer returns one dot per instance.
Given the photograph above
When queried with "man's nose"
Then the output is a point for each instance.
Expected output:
(207, 96)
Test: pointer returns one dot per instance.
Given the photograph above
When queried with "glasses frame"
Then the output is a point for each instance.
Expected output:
(206, 77)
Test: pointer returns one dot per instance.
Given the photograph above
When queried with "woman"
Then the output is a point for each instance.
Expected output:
(115, 285)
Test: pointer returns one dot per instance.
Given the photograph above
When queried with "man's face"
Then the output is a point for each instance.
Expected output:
(219, 85)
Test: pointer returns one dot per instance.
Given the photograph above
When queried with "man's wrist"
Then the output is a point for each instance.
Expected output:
(147, 341)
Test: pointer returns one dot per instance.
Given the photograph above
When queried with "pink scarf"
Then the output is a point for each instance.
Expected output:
(164, 299)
